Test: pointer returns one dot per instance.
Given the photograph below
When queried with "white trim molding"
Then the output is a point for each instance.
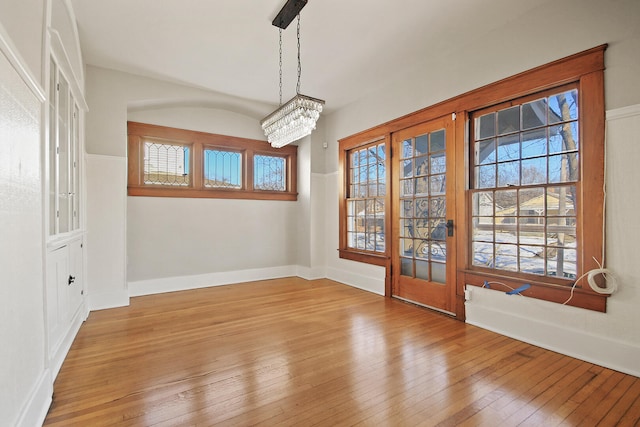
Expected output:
(59, 52)
(19, 64)
(183, 283)
(311, 273)
(356, 280)
(37, 405)
(597, 349)
(624, 112)
(76, 36)
(59, 354)
(104, 300)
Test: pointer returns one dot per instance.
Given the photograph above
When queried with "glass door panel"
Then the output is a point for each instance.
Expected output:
(420, 256)
(63, 155)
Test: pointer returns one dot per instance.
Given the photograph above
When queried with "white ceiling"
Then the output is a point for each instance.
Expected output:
(349, 47)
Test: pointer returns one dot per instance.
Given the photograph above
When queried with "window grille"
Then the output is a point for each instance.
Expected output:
(222, 169)
(366, 198)
(166, 164)
(524, 198)
(269, 173)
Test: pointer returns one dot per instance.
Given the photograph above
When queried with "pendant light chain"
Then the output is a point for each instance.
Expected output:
(280, 66)
(299, 62)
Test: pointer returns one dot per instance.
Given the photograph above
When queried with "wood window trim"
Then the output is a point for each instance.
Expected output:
(345, 252)
(587, 70)
(199, 141)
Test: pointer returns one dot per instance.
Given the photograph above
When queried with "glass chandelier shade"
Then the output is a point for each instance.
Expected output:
(292, 121)
(297, 118)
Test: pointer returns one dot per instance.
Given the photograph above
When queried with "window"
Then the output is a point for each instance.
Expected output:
(170, 162)
(166, 163)
(223, 169)
(529, 172)
(365, 206)
(269, 172)
(524, 189)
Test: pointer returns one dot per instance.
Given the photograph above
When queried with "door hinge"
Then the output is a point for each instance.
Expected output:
(453, 116)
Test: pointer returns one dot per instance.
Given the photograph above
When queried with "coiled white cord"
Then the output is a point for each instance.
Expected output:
(610, 278)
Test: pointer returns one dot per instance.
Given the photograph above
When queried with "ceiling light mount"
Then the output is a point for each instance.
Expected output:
(290, 10)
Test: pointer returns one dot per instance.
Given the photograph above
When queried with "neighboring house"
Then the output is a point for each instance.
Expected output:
(166, 164)
(534, 208)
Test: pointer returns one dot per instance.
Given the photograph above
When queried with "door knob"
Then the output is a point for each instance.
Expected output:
(449, 227)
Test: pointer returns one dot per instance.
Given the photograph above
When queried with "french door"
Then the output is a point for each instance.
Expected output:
(423, 207)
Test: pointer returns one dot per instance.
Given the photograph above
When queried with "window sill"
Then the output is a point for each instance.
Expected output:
(553, 292)
(366, 257)
(210, 193)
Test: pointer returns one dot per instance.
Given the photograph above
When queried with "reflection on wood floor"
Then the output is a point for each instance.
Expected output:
(296, 352)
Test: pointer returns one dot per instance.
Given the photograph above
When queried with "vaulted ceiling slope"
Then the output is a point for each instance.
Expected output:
(349, 47)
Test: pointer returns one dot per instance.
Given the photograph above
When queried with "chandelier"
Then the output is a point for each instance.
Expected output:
(297, 118)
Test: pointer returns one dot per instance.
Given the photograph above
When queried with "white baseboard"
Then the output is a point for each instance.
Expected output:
(366, 283)
(104, 300)
(311, 273)
(595, 349)
(37, 404)
(183, 283)
(60, 353)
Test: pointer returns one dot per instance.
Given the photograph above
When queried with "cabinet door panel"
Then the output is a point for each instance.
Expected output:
(57, 296)
(75, 288)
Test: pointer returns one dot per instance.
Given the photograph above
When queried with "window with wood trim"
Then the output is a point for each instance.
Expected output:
(524, 185)
(364, 207)
(529, 172)
(535, 206)
(171, 162)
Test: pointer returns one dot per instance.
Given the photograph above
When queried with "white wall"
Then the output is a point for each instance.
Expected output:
(26, 384)
(545, 34)
(174, 244)
(23, 21)
(303, 220)
(106, 233)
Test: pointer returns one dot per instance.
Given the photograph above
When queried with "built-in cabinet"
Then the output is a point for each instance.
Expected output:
(65, 298)
(65, 260)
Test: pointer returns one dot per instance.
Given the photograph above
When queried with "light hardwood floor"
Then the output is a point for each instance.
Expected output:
(302, 353)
